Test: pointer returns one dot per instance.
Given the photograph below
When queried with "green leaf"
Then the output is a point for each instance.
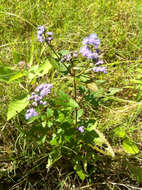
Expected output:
(119, 132)
(79, 171)
(17, 76)
(39, 71)
(16, 107)
(44, 68)
(54, 156)
(72, 103)
(42, 140)
(79, 113)
(54, 63)
(6, 73)
(54, 140)
(130, 147)
(49, 112)
(61, 117)
(62, 98)
(64, 52)
(113, 91)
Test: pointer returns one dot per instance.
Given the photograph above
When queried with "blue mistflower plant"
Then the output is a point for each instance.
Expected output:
(61, 119)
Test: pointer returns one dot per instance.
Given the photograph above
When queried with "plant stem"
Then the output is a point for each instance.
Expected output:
(59, 58)
(53, 51)
(75, 97)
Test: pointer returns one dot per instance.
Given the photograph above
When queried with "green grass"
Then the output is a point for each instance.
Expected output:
(119, 26)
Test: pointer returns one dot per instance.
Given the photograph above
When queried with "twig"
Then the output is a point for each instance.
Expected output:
(75, 97)
(127, 186)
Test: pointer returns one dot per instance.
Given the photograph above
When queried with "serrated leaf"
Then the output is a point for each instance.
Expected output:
(32, 72)
(44, 68)
(130, 147)
(39, 71)
(16, 107)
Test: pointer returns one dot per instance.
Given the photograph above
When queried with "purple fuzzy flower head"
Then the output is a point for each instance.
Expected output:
(100, 62)
(70, 56)
(91, 42)
(94, 40)
(30, 113)
(44, 89)
(90, 50)
(43, 36)
(86, 51)
(85, 41)
(40, 33)
(34, 104)
(81, 129)
(92, 55)
(41, 29)
(49, 37)
(75, 54)
(100, 69)
(49, 33)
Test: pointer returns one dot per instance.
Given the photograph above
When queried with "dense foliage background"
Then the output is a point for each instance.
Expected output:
(113, 102)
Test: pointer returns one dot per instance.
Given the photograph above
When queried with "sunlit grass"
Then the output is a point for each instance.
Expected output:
(119, 26)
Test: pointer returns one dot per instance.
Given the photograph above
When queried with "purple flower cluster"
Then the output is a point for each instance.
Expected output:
(44, 36)
(81, 129)
(97, 67)
(44, 89)
(86, 51)
(91, 51)
(92, 39)
(100, 69)
(69, 57)
(90, 42)
(30, 113)
(38, 97)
